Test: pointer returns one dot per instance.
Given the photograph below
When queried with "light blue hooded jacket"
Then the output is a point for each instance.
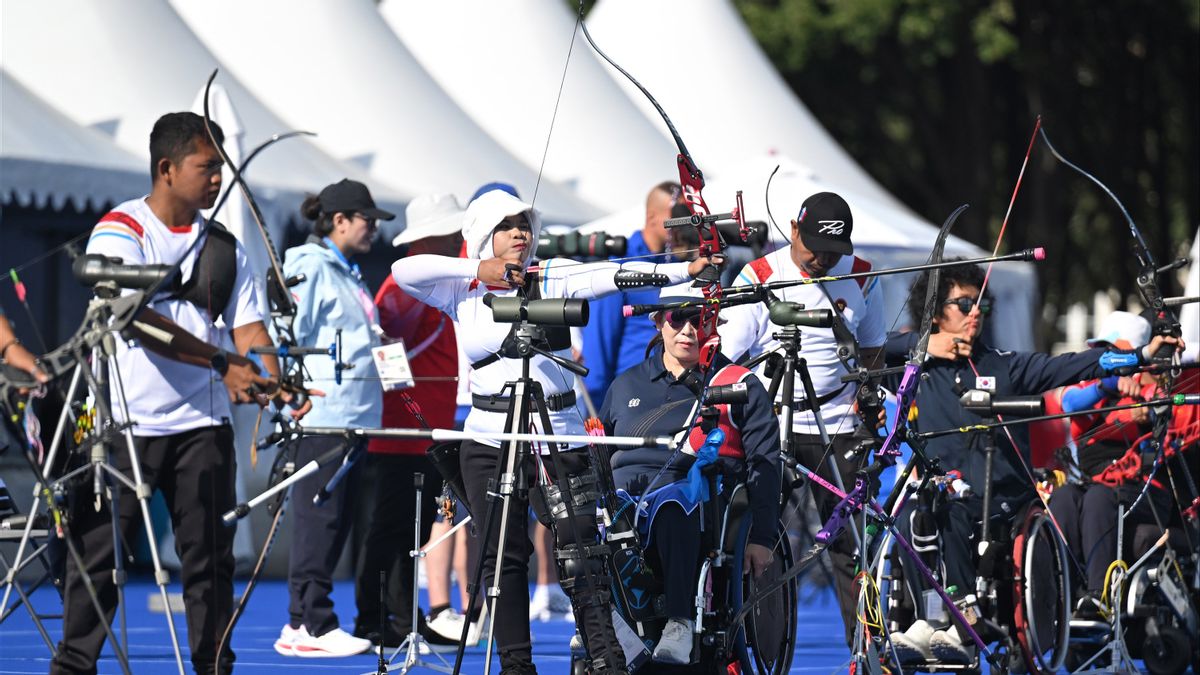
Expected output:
(332, 297)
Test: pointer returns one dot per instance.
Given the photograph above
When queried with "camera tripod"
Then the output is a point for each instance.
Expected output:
(92, 352)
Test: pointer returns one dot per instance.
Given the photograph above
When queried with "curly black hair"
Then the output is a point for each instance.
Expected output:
(962, 275)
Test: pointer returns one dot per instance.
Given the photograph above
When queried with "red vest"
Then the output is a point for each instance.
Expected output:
(730, 374)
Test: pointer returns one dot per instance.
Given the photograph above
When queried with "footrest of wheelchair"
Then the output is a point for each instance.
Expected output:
(1090, 631)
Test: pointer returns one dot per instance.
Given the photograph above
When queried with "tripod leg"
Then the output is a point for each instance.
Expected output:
(143, 492)
(584, 558)
(42, 477)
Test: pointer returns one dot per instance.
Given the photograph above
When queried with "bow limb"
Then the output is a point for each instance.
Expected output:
(1165, 323)
(280, 299)
(691, 180)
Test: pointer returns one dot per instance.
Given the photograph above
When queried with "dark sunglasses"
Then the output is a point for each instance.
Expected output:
(965, 304)
(677, 318)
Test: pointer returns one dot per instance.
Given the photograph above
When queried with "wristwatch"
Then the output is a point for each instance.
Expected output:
(220, 362)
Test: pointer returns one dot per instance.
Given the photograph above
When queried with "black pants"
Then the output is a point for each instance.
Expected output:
(318, 536)
(389, 480)
(956, 522)
(676, 542)
(195, 472)
(1088, 518)
(511, 617)
(843, 552)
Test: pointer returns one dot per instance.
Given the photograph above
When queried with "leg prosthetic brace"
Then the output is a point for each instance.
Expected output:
(583, 567)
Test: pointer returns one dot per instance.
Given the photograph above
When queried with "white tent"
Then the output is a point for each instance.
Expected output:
(601, 145)
(120, 64)
(725, 97)
(885, 236)
(336, 67)
(48, 160)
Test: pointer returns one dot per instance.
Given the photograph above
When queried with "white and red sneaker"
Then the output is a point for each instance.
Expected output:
(287, 639)
(335, 643)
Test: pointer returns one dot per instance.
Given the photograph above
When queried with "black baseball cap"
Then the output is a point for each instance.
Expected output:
(826, 223)
(351, 196)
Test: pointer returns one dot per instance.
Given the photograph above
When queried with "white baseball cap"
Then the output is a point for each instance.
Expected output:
(430, 215)
(1122, 330)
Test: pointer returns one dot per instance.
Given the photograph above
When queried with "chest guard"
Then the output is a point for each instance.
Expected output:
(214, 273)
(730, 374)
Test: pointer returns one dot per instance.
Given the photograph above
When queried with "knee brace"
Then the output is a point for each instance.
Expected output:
(582, 490)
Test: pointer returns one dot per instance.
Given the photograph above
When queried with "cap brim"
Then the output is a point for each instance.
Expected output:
(818, 244)
(378, 214)
(438, 228)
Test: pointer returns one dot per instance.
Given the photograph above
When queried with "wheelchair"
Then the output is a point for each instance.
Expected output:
(764, 645)
(1023, 592)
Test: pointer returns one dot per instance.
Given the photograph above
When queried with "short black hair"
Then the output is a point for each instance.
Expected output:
(174, 137)
(961, 275)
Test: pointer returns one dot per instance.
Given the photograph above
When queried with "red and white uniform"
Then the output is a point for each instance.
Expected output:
(749, 330)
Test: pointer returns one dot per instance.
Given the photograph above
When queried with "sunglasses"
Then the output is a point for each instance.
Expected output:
(965, 304)
(677, 318)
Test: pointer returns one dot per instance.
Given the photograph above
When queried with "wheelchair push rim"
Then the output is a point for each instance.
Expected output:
(766, 642)
(1042, 630)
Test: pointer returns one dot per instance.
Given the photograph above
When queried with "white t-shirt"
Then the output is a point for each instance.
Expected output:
(749, 329)
(165, 396)
(449, 284)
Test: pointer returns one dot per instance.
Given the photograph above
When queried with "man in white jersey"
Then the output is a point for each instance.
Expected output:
(820, 247)
(178, 395)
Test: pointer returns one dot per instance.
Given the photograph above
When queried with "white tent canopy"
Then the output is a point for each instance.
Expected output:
(725, 97)
(338, 68)
(120, 64)
(886, 237)
(48, 160)
(601, 145)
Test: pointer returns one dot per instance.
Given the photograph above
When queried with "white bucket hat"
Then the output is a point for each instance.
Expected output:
(430, 215)
(1122, 330)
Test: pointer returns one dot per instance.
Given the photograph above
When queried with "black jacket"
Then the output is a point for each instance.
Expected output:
(648, 400)
(1016, 374)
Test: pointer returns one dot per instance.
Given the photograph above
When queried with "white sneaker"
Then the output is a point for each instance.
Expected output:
(547, 601)
(447, 623)
(287, 639)
(948, 647)
(675, 645)
(335, 643)
(912, 645)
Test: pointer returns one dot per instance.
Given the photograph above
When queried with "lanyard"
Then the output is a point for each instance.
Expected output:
(353, 267)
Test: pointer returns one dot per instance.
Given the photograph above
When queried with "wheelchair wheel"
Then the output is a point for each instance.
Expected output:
(767, 644)
(1042, 595)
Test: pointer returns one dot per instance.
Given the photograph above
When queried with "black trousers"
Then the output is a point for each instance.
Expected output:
(843, 552)
(1088, 518)
(511, 618)
(318, 536)
(388, 479)
(195, 472)
(956, 522)
(676, 542)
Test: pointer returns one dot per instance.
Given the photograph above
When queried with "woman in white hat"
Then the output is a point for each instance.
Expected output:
(501, 233)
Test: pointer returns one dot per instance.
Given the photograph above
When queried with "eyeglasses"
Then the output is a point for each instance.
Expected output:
(677, 318)
(371, 222)
(965, 304)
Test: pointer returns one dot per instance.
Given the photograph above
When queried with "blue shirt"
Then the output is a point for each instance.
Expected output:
(613, 343)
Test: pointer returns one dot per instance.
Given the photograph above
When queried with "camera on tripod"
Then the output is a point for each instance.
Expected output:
(548, 312)
(580, 246)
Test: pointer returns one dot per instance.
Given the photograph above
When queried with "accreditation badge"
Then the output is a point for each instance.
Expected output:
(391, 361)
